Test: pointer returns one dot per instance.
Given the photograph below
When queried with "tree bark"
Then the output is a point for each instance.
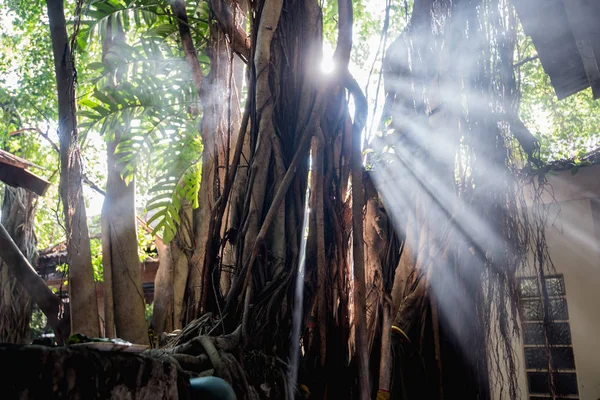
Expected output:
(171, 277)
(201, 216)
(36, 287)
(181, 250)
(120, 252)
(82, 292)
(211, 131)
(109, 302)
(318, 207)
(15, 303)
(376, 244)
(162, 311)
(289, 102)
(362, 351)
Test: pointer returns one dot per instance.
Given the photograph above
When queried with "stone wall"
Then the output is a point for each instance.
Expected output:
(38, 372)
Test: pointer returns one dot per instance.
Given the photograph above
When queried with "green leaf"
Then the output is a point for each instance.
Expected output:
(95, 66)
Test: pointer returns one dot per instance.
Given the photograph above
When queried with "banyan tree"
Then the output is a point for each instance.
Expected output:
(406, 272)
(316, 257)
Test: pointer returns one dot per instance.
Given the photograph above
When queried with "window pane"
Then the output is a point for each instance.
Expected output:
(558, 309)
(555, 285)
(566, 383)
(528, 287)
(539, 382)
(536, 358)
(558, 333)
(562, 357)
(533, 334)
(532, 310)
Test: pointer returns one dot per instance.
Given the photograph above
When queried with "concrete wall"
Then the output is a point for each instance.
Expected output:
(573, 237)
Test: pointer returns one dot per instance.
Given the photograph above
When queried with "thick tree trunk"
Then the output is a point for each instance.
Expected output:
(162, 311)
(257, 220)
(200, 280)
(447, 258)
(258, 212)
(202, 217)
(171, 278)
(376, 237)
(109, 302)
(15, 303)
(82, 292)
(235, 172)
(181, 250)
(121, 254)
(119, 229)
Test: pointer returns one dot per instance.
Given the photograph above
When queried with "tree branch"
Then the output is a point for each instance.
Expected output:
(35, 286)
(84, 176)
(92, 185)
(178, 8)
(525, 61)
(224, 16)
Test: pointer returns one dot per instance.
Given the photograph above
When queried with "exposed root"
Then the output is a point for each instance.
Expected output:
(215, 358)
(188, 362)
(192, 330)
(221, 356)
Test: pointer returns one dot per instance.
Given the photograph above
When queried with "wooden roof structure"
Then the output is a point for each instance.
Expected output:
(566, 34)
(14, 172)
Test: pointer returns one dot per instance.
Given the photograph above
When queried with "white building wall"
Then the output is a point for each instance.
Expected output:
(573, 239)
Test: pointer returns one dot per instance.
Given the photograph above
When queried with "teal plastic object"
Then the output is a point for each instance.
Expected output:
(211, 388)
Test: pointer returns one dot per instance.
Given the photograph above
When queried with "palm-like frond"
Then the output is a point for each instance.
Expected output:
(142, 88)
